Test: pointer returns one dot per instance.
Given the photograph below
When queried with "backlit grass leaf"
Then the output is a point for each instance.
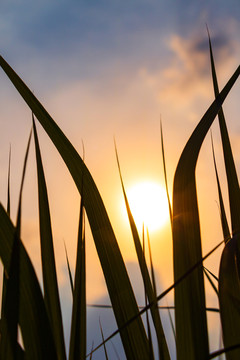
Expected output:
(33, 319)
(8, 211)
(133, 337)
(229, 273)
(69, 269)
(191, 331)
(232, 179)
(162, 344)
(165, 173)
(51, 294)
(225, 227)
(78, 336)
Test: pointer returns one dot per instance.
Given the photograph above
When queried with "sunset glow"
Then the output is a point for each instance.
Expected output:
(149, 206)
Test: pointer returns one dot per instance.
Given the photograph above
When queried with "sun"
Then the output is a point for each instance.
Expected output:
(148, 204)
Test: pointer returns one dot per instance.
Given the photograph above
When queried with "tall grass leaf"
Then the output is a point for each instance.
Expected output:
(162, 344)
(119, 287)
(151, 265)
(10, 315)
(229, 275)
(33, 319)
(78, 337)
(8, 183)
(232, 178)
(149, 331)
(224, 222)
(8, 211)
(192, 335)
(69, 269)
(50, 285)
(165, 172)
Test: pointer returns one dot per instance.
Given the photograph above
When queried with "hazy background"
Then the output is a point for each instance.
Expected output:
(106, 69)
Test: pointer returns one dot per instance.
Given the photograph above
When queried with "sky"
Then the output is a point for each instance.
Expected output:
(105, 70)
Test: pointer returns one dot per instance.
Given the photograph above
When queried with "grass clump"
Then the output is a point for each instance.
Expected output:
(38, 314)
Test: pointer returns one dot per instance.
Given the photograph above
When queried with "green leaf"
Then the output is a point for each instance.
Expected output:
(165, 173)
(8, 211)
(78, 336)
(225, 227)
(232, 179)
(191, 331)
(69, 270)
(133, 337)
(51, 294)
(229, 275)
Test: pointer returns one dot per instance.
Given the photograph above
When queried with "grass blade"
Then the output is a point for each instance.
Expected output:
(225, 227)
(191, 332)
(69, 270)
(229, 280)
(8, 188)
(8, 211)
(232, 179)
(134, 337)
(162, 344)
(165, 173)
(51, 294)
(78, 337)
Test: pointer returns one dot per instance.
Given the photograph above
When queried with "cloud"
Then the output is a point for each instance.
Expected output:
(188, 76)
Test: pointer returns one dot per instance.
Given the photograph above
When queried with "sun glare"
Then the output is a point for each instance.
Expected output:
(148, 204)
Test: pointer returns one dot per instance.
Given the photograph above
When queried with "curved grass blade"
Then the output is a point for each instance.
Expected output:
(162, 344)
(50, 285)
(78, 336)
(134, 337)
(229, 290)
(33, 319)
(232, 178)
(192, 335)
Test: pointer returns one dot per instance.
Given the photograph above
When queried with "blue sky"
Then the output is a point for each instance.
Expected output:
(105, 69)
